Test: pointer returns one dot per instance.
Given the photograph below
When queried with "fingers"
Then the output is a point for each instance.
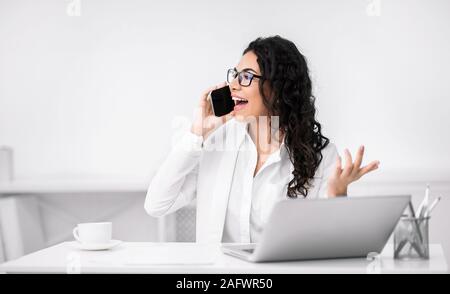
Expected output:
(368, 168)
(358, 159)
(348, 163)
(338, 167)
(206, 93)
(204, 99)
(341, 178)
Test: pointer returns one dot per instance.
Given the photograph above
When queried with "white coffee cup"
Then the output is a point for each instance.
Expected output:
(93, 233)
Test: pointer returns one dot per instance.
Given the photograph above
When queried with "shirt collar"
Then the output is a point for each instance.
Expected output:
(276, 155)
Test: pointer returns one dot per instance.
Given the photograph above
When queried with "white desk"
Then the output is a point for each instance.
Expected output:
(190, 258)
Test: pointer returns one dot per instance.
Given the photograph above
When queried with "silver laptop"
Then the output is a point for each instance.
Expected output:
(342, 227)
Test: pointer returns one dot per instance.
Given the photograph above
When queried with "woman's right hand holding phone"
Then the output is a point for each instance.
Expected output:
(205, 122)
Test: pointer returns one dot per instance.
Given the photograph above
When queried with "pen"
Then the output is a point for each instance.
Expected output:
(423, 205)
(411, 209)
(428, 211)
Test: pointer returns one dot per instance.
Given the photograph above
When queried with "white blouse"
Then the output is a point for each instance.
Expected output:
(232, 205)
(252, 198)
(245, 217)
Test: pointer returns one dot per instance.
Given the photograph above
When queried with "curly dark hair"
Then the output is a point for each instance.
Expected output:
(286, 71)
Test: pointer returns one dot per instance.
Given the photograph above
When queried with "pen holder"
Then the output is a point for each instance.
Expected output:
(411, 238)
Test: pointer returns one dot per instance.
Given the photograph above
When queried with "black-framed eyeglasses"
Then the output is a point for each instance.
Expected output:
(245, 77)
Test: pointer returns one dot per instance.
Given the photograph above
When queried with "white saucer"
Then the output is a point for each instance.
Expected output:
(97, 246)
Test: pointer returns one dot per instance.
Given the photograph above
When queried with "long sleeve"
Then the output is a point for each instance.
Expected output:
(174, 184)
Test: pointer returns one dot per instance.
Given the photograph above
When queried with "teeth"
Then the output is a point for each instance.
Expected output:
(239, 99)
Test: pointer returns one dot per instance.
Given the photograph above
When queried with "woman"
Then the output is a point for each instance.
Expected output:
(264, 160)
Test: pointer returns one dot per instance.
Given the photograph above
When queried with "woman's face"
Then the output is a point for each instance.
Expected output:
(253, 105)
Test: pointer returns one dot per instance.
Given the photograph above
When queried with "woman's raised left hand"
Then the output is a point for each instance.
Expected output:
(340, 178)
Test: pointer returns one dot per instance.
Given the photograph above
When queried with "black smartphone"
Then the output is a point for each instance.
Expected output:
(221, 101)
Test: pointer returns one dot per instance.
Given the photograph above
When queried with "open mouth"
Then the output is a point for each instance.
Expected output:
(239, 101)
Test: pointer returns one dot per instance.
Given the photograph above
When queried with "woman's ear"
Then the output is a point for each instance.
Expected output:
(268, 93)
(268, 98)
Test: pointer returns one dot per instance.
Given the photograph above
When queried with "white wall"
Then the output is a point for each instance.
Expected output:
(96, 94)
